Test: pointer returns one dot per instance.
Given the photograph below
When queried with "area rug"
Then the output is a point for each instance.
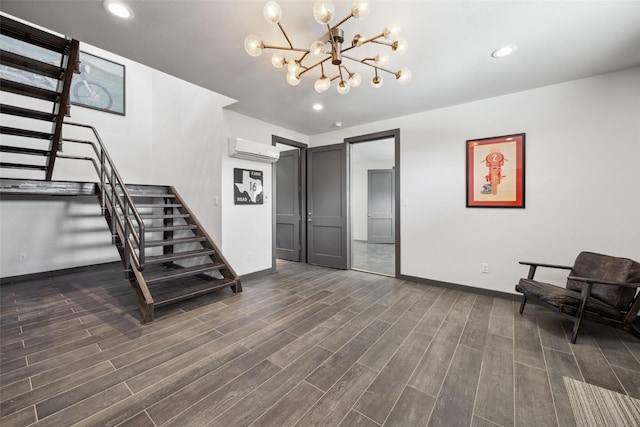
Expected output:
(596, 406)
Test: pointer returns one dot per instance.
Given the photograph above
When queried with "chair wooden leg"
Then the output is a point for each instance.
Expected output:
(522, 304)
(576, 327)
(584, 297)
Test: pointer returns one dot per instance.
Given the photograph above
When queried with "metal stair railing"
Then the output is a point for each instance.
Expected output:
(126, 222)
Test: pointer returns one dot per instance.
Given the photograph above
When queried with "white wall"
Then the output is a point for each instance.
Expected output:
(31, 227)
(246, 230)
(582, 151)
(187, 134)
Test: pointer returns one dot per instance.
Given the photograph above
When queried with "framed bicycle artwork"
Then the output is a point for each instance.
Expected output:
(495, 172)
(99, 85)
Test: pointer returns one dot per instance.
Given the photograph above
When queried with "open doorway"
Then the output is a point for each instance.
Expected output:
(373, 207)
(289, 236)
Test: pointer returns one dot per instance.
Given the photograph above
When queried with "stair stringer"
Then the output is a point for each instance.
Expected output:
(209, 243)
(143, 295)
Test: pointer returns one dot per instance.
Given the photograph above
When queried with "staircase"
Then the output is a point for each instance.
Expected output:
(38, 67)
(166, 253)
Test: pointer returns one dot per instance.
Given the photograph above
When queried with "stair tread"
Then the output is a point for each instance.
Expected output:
(31, 65)
(28, 90)
(25, 132)
(169, 242)
(159, 216)
(151, 195)
(157, 205)
(34, 36)
(181, 272)
(178, 256)
(187, 289)
(23, 150)
(26, 112)
(7, 165)
(171, 228)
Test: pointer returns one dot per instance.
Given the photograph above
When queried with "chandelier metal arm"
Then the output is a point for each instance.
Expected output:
(285, 35)
(315, 65)
(383, 43)
(331, 39)
(362, 61)
(266, 46)
(341, 22)
(372, 39)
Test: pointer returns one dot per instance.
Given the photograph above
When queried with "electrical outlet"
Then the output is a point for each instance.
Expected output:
(22, 257)
(484, 267)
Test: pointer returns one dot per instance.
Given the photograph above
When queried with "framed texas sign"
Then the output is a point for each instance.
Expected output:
(247, 187)
(495, 172)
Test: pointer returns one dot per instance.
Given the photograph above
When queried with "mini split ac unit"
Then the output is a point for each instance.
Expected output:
(250, 150)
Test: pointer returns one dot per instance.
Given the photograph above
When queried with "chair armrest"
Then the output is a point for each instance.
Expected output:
(603, 282)
(534, 265)
(537, 264)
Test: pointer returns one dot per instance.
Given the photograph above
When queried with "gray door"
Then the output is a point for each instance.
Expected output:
(327, 206)
(288, 205)
(380, 206)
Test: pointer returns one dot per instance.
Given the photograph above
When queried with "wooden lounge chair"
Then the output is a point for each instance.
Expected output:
(599, 287)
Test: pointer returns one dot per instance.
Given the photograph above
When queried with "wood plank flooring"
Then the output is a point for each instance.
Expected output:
(306, 346)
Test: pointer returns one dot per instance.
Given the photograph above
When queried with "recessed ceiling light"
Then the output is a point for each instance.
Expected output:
(504, 51)
(318, 107)
(338, 124)
(118, 8)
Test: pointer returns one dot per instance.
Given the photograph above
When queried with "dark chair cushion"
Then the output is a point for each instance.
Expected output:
(558, 297)
(608, 268)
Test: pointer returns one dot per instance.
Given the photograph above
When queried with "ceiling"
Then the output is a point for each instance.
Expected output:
(450, 45)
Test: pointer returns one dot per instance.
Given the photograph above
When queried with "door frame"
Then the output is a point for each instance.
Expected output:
(303, 198)
(395, 134)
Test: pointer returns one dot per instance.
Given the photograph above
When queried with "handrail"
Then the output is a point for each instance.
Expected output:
(70, 63)
(128, 224)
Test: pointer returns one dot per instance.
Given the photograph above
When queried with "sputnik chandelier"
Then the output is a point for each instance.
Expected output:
(329, 47)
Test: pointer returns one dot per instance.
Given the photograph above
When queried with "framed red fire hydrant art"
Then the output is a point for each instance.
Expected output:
(495, 172)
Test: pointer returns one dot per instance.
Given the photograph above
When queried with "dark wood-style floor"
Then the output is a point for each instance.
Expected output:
(305, 346)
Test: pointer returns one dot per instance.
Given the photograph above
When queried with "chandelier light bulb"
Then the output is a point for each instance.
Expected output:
(400, 46)
(278, 60)
(358, 39)
(323, 11)
(360, 9)
(317, 48)
(272, 12)
(293, 67)
(343, 87)
(355, 79)
(403, 76)
(253, 45)
(392, 30)
(293, 79)
(376, 82)
(381, 58)
(322, 84)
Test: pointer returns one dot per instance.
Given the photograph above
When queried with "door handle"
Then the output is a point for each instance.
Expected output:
(309, 220)
(368, 214)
